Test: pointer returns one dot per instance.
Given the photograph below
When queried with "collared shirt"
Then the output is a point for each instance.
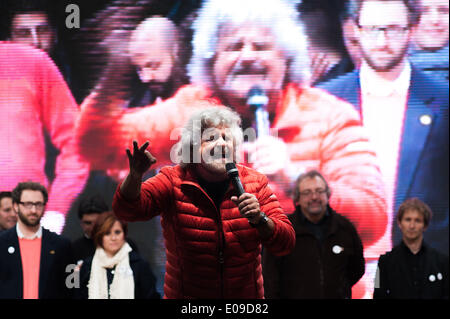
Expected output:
(37, 234)
(383, 108)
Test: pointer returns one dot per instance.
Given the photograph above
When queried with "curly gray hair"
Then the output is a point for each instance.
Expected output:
(212, 116)
(278, 15)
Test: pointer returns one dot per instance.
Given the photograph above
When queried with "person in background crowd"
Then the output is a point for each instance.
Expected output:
(350, 36)
(412, 269)
(429, 51)
(115, 271)
(405, 112)
(33, 260)
(328, 40)
(39, 106)
(328, 256)
(88, 211)
(213, 237)
(8, 217)
(32, 23)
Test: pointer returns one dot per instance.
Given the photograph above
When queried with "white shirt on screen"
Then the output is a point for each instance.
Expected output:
(383, 108)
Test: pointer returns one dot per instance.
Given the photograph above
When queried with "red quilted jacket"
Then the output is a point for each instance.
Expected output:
(211, 252)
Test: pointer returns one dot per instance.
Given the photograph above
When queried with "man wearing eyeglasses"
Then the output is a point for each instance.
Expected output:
(328, 256)
(405, 111)
(33, 260)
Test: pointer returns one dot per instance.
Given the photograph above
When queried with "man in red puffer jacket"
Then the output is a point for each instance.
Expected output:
(213, 237)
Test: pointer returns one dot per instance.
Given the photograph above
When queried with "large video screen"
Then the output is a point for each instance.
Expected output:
(356, 90)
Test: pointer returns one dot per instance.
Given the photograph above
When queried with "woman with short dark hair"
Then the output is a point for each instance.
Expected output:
(115, 271)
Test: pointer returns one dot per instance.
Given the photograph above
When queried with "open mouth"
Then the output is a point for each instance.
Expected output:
(254, 68)
(250, 72)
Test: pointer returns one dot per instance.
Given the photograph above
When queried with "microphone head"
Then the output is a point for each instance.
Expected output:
(231, 169)
(257, 97)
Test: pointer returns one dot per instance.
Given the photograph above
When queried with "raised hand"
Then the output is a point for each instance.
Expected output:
(141, 159)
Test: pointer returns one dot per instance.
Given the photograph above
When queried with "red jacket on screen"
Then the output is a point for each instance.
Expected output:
(34, 101)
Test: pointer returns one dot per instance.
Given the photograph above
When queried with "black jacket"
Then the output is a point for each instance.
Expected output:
(315, 269)
(144, 280)
(396, 278)
(56, 255)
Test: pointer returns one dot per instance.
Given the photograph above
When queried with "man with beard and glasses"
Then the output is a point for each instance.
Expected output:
(250, 52)
(213, 237)
(405, 112)
(33, 260)
(328, 256)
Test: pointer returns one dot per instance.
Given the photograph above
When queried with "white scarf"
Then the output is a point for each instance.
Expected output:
(122, 286)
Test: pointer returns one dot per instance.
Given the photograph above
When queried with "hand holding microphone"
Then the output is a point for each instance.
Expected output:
(247, 203)
(248, 207)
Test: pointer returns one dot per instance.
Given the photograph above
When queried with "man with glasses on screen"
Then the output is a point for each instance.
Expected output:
(404, 110)
(328, 256)
(33, 260)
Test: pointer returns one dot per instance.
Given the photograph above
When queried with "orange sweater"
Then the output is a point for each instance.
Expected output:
(30, 252)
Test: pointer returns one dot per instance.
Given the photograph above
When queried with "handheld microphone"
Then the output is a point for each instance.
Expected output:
(257, 100)
(233, 174)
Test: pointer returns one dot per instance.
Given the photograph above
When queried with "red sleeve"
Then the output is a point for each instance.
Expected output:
(154, 199)
(282, 241)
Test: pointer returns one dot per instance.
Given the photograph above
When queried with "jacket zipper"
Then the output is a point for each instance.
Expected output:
(221, 241)
(221, 256)
(321, 276)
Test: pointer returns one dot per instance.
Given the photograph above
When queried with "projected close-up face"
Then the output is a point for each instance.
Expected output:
(154, 60)
(432, 32)
(33, 29)
(246, 56)
(384, 33)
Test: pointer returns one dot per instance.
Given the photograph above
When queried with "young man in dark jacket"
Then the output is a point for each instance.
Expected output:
(328, 256)
(412, 269)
